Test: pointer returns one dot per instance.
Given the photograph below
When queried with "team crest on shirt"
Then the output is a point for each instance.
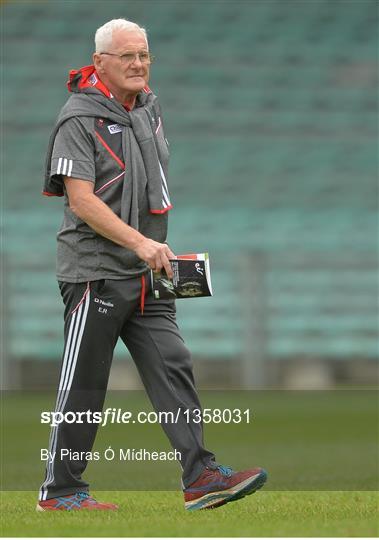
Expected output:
(93, 79)
(114, 128)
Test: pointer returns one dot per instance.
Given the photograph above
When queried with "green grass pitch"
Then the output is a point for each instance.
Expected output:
(320, 451)
(162, 514)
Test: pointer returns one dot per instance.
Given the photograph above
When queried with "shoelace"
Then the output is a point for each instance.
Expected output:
(225, 471)
(82, 495)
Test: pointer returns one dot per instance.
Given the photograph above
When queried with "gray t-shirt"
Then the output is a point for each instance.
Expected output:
(91, 149)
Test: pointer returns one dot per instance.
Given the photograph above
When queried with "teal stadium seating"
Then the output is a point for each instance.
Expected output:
(271, 113)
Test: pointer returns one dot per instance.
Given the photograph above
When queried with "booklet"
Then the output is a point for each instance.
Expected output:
(192, 278)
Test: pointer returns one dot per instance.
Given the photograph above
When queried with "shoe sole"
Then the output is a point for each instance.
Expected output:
(41, 509)
(219, 498)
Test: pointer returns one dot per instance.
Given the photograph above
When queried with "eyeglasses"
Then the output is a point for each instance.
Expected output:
(129, 57)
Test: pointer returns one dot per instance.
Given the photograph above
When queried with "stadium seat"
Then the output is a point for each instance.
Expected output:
(271, 113)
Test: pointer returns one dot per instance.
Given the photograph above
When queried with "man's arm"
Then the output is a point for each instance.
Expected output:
(88, 207)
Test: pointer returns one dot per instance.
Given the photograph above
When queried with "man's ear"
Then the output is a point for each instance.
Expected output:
(98, 62)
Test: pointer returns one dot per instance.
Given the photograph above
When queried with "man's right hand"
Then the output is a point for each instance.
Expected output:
(156, 255)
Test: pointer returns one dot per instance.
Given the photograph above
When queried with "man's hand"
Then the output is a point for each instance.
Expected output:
(156, 255)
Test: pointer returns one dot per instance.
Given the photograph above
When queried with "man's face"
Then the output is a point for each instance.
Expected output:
(124, 77)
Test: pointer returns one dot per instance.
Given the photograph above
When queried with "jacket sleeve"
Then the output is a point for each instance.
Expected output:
(72, 154)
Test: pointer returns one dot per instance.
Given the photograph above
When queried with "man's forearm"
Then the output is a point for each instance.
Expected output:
(93, 211)
(105, 222)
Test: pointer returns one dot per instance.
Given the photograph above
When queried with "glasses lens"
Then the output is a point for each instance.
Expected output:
(144, 56)
(128, 58)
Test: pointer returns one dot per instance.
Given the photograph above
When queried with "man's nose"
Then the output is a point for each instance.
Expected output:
(137, 60)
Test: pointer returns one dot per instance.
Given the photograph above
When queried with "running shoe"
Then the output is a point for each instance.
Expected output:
(216, 487)
(78, 501)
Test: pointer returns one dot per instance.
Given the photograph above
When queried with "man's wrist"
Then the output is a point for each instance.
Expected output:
(134, 240)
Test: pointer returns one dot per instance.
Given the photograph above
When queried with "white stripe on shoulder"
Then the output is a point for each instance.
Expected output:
(64, 169)
(69, 167)
(59, 165)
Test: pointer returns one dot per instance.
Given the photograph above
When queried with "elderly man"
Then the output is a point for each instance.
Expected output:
(108, 157)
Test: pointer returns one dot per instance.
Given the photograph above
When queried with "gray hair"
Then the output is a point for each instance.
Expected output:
(104, 34)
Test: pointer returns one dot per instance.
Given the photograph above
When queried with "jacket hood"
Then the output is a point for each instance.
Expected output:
(86, 80)
(90, 97)
(142, 136)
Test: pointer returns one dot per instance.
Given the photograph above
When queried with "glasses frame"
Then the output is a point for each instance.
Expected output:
(123, 60)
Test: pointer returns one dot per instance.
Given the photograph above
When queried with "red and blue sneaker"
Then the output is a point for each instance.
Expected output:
(216, 487)
(78, 501)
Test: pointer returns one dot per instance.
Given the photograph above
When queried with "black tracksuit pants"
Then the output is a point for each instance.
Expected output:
(96, 315)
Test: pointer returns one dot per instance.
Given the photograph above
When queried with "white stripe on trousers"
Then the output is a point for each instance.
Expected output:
(76, 330)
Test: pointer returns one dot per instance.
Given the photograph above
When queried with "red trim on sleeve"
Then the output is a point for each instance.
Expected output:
(47, 194)
(163, 211)
(116, 158)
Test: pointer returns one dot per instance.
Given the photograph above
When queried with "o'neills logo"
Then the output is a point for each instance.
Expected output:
(102, 303)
